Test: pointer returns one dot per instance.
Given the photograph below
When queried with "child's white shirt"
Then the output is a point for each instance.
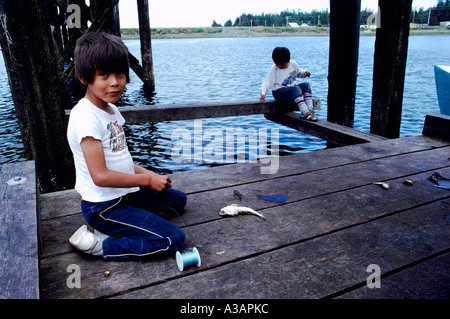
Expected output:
(88, 120)
(278, 78)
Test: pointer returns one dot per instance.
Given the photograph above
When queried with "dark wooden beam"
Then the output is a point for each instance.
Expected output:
(391, 50)
(189, 111)
(343, 60)
(274, 111)
(437, 125)
(337, 134)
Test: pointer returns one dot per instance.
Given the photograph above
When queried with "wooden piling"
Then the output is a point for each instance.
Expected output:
(146, 45)
(343, 60)
(112, 23)
(391, 49)
(32, 64)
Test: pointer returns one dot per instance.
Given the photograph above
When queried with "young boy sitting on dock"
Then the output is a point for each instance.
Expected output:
(126, 204)
(281, 79)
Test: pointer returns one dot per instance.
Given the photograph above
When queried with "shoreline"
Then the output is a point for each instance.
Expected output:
(247, 32)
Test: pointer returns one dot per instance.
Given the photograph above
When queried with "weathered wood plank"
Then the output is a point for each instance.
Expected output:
(331, 132)
(429, 279)
(322, 266)
(437, 125)
(243, 237)
(204, 206)
(68, 202)
(58, 204)
(19, 232)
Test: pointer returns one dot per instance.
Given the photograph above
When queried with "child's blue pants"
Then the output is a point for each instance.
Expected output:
(136, 223)
(292, 92)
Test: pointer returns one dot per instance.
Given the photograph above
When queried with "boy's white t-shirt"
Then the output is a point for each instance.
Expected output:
(278, 78)
(88, 120)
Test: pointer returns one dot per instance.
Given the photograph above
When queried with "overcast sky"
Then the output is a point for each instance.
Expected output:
(201, 13)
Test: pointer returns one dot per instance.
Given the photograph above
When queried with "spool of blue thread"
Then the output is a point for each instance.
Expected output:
(188, 258)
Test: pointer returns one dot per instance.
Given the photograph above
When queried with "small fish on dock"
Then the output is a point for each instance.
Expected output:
(234, 209)
(408, 182)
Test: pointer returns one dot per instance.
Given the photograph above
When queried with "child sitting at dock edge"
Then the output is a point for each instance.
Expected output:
(281, 79)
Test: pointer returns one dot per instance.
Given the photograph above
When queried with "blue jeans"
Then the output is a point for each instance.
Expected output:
(136, 223)
(291, 92)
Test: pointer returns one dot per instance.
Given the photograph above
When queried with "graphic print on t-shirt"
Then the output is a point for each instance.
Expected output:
(290, 79)
(116, 137)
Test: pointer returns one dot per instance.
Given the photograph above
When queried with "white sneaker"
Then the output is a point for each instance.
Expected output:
(86, 241)
(101, 235)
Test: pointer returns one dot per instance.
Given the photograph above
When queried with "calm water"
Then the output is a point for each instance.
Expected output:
(199, 70)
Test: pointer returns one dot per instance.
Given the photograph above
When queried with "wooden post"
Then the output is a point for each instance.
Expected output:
(343, 60)
(391, 49)
(39, 96)
(112, 24)
(146, 45)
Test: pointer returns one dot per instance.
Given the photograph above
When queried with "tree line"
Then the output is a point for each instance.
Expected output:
(432, 16)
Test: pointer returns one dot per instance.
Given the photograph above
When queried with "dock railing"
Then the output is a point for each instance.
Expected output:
(279, 112)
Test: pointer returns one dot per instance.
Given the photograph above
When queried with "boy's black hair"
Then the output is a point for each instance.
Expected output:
(100, 51)
(281, 55)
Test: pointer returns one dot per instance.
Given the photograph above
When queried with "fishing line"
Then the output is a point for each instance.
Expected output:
(188, 258)
(176, 213)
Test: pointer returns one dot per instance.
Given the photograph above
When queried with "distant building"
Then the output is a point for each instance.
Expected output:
(418, 25)
(444, 23)
(368, 26)
(293, 25)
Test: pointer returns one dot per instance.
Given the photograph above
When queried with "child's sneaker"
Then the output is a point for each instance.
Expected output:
(100, 235)
(308, 114)
(311, 116)
(86, 241)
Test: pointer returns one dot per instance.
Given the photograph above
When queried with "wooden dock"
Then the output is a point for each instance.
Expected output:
(321, 241)
(330, 231)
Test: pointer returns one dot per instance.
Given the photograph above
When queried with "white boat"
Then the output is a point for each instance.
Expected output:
(442, 76)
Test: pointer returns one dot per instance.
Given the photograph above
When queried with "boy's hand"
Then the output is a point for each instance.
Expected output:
(160, 183)
(157, 182)
(307, 73)
(262, 98)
